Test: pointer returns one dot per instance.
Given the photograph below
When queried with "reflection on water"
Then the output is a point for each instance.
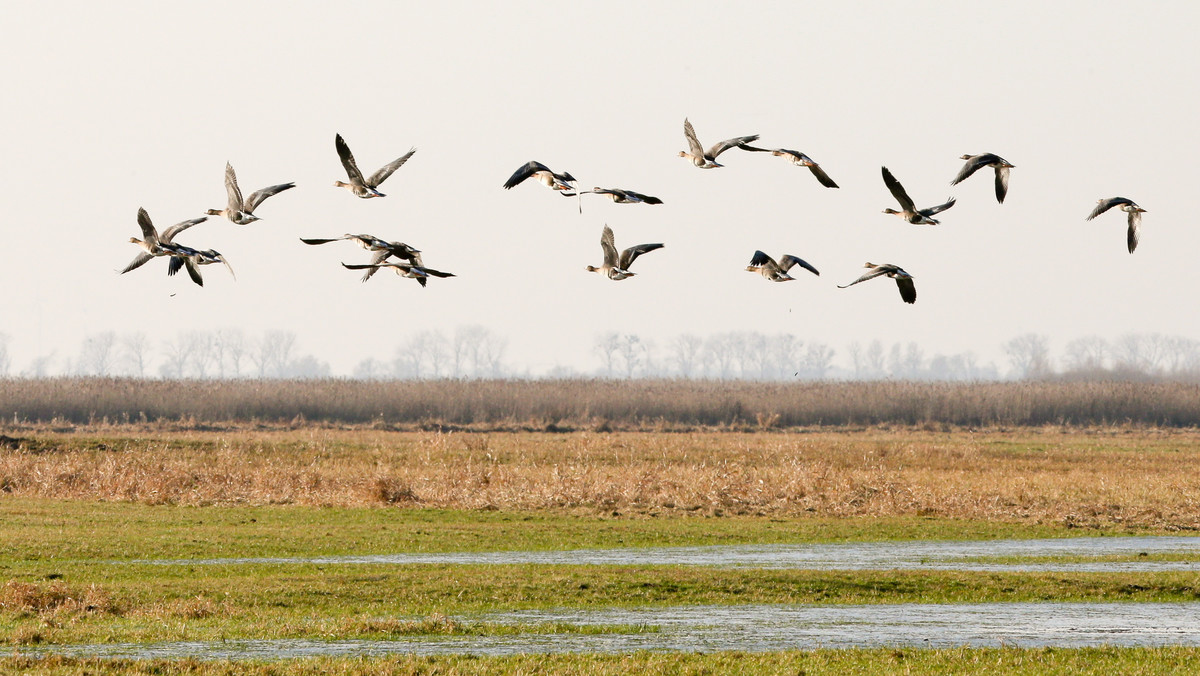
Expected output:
(749, 628)
(909, 555)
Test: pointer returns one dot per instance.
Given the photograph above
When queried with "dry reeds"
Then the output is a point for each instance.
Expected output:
(598, 404)
(1116, 477)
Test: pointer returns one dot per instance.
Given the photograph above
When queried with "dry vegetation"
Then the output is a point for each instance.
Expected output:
(590, 404)
(1115, 477)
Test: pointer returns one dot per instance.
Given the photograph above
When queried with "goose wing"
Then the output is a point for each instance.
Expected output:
(1001, 183)
(693, 142)
(761, 259)
(314, 241)
(908, 290)
(525, 171)
(609, 247)
(939, 208)
(1135, 224)
(169, 233)
(431, 271)
(347, 158)
(971, 166)
(739, 141)
(875, 271)
(386, 170)
(256, 198)
(1104, 205)
(149, 234)
(789, 260)
(906, 203)
(193, 271)
(629, 255)
(639, 197)
(822, 177)
(137, 262)
(232, 189)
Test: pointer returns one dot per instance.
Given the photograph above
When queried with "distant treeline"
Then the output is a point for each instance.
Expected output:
(595, 404)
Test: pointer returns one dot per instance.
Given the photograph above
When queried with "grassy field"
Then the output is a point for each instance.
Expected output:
(78, 505)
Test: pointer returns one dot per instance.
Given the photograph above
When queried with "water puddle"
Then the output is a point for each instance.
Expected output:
(906, 555)
(753, 628)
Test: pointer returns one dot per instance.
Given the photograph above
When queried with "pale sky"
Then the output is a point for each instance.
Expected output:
(112, 107)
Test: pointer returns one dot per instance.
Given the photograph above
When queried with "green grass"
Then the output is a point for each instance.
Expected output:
(33, 529)
(138, 603)
(960, 661)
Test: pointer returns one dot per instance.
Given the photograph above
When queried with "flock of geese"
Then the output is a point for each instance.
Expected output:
(616, 265)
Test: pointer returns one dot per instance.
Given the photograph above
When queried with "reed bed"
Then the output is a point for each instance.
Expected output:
(1118, 478)
(588, 404)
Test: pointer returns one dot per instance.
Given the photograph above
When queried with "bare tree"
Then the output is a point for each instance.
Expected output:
(606, 346)
(40, 366)
(135, 353)
(371, 369)
(817, 360)
(685, 350)
(272, 353)
(1029, 355)
(5, 359)
(175, 355)
(232, 351)
(97, 354)
(720, 354)
(784, 349)
(199, 346)
(874, 359)
(632, 353)
(1089, 353)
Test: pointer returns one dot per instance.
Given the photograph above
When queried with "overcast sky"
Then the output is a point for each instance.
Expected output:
(112, 107)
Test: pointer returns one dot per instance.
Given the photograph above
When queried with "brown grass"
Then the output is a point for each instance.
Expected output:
(1144, 478)
(598, 405)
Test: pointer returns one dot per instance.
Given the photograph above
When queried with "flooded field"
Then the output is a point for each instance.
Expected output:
(748, 628)
(907, 555)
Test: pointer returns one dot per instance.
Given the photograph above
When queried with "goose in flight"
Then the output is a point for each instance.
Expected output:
(801, 160)
(910, 212)
(614, 267)
(191, 260)
(560, 182)
(623, 196)
(365, 187)
(903, 280)
(777, 272)
(417, 272)
(240, 211)
(976, 162)
(1128, 206)
(151, 242)
(707, 159)
(381, 248)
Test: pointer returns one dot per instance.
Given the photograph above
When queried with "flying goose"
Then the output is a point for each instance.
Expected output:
(777, 272)
(616, 268)
(365, 187)
(801, 160)
(240, 211)
(417, 272)
(623, 196)
(560, 182)
(976, 162)
(191, 259)
(151, 242)
(903, 280)
(1128, 206)
(708, 159)
(910, 212)
(381, 248)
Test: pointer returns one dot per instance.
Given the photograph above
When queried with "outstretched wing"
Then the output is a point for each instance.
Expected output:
(149, 234)
(232, 189)
(906, 203)
(347, 158)
(137, 262)
(639, 197)
(939, 208)
(523, 172)
(1104, 205)
(789, 260)
(760, 259)
(315, 241)
(875, 271)
(908, 290)
(970, 167)
(169, 234)
(739, 141)
(821, 175)
(609, 247)
(386, 170)
(1135, 224)
(1001, 183)
(629, 255)
(256, 198)
(693, 142)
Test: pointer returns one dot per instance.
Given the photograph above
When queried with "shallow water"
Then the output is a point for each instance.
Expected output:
(907, 555)
(749, 628)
